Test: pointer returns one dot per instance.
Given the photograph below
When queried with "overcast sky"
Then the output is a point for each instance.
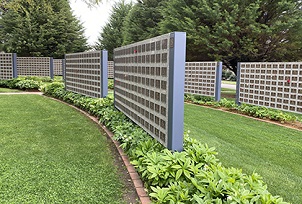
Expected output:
(92, 18)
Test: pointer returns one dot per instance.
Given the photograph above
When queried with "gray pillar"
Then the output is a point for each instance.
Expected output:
(238, 84)
(64, 71)
(104, 73)
(51, 68)
(15, 70)
(218, 81)
(177, 57)
(63, 68)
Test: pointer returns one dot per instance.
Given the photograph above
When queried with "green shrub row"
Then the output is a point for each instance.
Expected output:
(28, 82)
(194, 175)
(21, 83)
(246, 109)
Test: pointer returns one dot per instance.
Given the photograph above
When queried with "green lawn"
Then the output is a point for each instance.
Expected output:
(110, 92)
(50, 153)
(228, 93)
(6, 90)
(272, 151)
(228, 82)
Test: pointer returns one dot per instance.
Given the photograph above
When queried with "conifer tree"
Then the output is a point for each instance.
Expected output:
(142, 21)
(41, 28)
(236, 30)
(111, 36)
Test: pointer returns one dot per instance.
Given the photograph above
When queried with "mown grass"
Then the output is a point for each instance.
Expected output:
(50, 153)
(228, 82)
(229, 94)
(6, 90)
(270, 150)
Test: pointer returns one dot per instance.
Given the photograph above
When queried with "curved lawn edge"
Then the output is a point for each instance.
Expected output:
(135, 178)
(52, 153)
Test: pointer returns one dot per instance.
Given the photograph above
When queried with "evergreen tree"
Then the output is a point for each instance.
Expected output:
(111, 36)
(236, 30)
(42, 28)
(142, 21)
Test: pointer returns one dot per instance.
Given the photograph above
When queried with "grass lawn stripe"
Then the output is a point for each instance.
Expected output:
(6, 90)
(272, 151)
(50, 153)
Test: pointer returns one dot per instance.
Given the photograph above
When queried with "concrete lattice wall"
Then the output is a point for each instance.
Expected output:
(203, 78)
(86, 73)
(110, 69)
(271, 84)
(58, 67)
(149, 81)
(34, 66)
(6, 65)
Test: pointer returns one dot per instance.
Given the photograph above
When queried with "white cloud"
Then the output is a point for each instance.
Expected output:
(94, 18)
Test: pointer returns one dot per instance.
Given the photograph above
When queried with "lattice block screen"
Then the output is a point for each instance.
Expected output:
(203, 78)
(274, 85)
(84, 73)
(6, 65)
(34, 66)
(110, 69)
(58, 67)
(149, 86)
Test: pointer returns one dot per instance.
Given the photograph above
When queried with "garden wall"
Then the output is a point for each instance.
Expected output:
(271, 84)
(203, 78)
(35, 66)
(149, 86)
(110, 69)
(86, 73)
(58, 67)
(8, 69)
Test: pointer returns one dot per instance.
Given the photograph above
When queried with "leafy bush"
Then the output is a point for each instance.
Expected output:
(28, 85)
(36, 78)
(192, 176)
(19, 83)
(228, 75)
(49, 89)
(110, 84)
(3, 83)
(25, 82)
(246, 109)
(10, 83)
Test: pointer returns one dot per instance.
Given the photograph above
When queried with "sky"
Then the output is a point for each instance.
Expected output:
(94, 18)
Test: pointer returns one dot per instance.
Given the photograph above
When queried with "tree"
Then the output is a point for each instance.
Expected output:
(142, 21)
(42, 28)
(111, 36)
(236, 30)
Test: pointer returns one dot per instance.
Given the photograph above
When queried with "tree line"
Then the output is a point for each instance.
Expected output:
(226, 30)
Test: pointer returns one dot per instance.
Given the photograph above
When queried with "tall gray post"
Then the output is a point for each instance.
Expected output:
(15, 70)
(104, 73)
(177, 60)
(51, 68)
(238, 84)
(218, 82)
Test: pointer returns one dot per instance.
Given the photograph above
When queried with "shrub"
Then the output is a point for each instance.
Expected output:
(25, 82)
(12, 83)
(36, 78)
(28, 85)
(110, 84)
(49, 89)
(3, 83)
(246, 109)
(228, 75)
